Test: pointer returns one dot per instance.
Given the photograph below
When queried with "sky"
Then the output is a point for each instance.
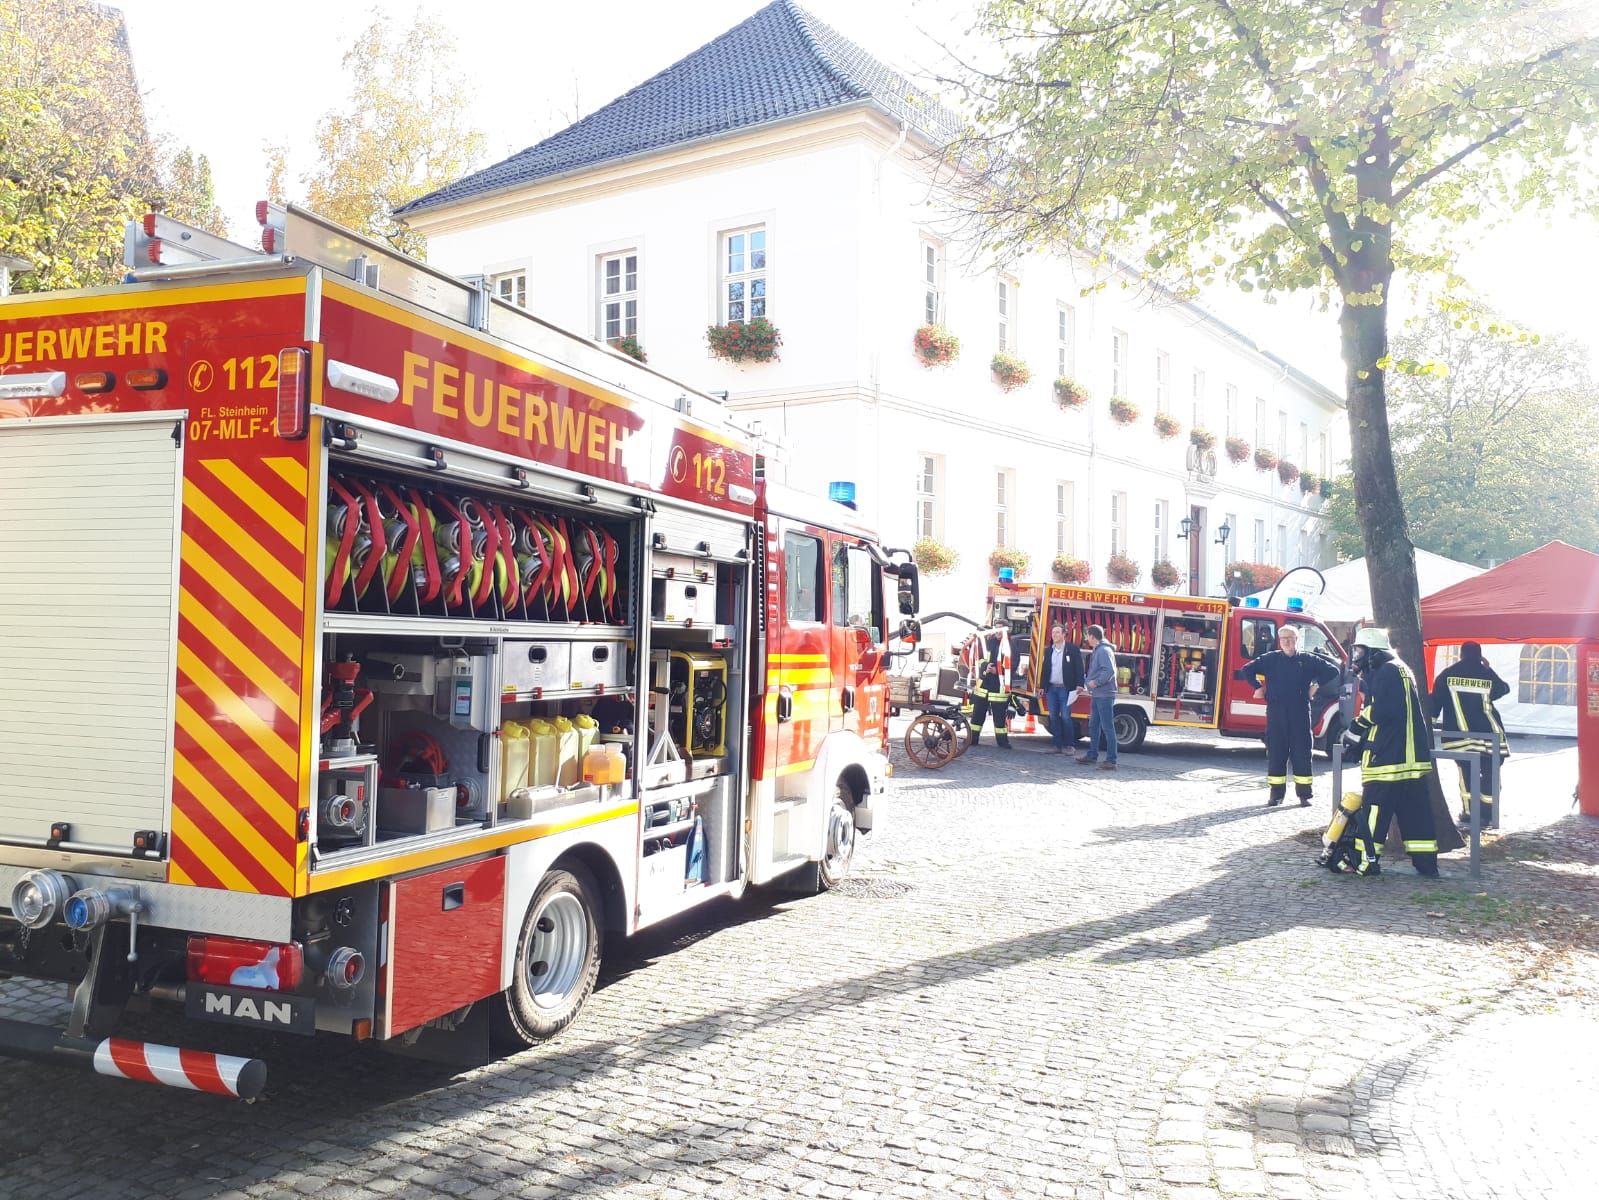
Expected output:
(230, 79)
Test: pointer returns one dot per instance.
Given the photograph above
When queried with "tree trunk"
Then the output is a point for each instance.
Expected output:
(1390, 557)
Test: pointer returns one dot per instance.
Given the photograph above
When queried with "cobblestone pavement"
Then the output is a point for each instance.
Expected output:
(1041, 981)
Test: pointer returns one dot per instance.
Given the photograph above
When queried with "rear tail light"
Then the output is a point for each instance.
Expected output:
(294, 394)
(94, 382)
(234, 962)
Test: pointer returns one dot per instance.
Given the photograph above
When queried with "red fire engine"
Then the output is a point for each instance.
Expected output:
(1176, 655)
(375, 650)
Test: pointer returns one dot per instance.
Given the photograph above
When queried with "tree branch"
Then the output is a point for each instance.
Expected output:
(1453, 160)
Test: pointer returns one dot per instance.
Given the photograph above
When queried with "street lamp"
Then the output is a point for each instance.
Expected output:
(1223, 533)
(1187, 526)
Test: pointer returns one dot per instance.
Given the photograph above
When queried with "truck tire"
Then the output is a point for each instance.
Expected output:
(557, 960)
(839, 851)
(1131, 725)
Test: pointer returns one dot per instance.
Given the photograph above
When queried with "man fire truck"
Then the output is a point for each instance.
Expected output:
(1177, 655)
(375, 649)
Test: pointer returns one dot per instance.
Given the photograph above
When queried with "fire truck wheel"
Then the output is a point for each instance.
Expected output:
(557, 959)
(839, 852)
(1131, 725)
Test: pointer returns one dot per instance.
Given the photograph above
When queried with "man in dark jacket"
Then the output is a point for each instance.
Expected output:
(1463, 697)
(1061, 678)
(1290, 679)
(1395, 745)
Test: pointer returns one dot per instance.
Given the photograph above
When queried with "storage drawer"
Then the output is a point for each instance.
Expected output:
(446, 933)
(598, 664)
(537, 666)
(679, 601)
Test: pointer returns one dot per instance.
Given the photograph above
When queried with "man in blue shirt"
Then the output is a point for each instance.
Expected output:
(1100, 684)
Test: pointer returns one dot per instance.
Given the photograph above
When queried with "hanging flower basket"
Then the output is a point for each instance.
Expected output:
(629, 346)
(1164, 575)
(936, 346)
(1010, 371)
(1167, 426)
(1071, 570)
(1265, 460)
(1123, 412)
(933, 557)
(1326, 489)
(1123, 570)
(1069, 393)
(1009, 556)
(1201, 437)
(1237, 449)
(1287, 471)
(1309, 482)
(736, 341)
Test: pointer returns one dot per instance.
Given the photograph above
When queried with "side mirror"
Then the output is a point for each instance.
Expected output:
(910, 631)
(910, 591)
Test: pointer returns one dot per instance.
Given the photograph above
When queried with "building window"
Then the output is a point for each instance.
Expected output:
(1231, 393)
(932, 283)
(1282, 433)
(1548, 675)
(1118, 363)
(1198, 419)
(1282, 545)
(1304, 549)
(1260, 540)
(1234, 536)
(1063, 517)
(1322, 558)
(1260, 422)
(1304, 445)
(1162, 522)
(1005, 299)
(619, 295)
(1162, 381)
(511, 288)
(1118, 517)
(1321, 451)
(744, 291)
(1065, 340)
(1004, 498)
(928, 470)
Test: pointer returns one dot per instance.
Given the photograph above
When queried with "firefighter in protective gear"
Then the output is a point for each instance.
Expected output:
(987, 654)
(1290, 680)
(1394, 740)
(1462, 702)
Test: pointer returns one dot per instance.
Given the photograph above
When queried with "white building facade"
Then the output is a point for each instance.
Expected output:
(676, 208)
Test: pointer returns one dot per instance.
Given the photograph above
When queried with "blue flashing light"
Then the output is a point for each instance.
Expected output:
(1251, 601)
(1296, 604)
(1007, 574)
(841, 490)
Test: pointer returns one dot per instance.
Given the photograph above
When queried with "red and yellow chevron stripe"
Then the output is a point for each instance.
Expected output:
(241, 634)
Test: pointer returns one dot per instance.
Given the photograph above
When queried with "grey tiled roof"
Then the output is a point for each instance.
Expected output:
(779, 64)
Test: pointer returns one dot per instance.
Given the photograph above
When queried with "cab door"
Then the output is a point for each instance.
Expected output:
(857, 641)
(801, 652)
(1253, 636)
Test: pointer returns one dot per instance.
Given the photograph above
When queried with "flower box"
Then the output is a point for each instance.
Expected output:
(1010, 371)
(1123, 412)
(629, 346)
(936, 346)
(1244, 577)
(1309, 482)
(1326, 489)
(1164, 575)
(1167, 426)
(1265, 460)
(1069, 393)
(1122, 570)
(1009, 556)
(1287, 471)
(1237, 449)
(736, 341)
(933, 557)
(1201, 437)
(1071, 570)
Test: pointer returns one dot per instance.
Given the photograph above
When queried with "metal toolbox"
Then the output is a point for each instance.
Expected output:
(683, 601)
(416, 810)
(537, 667)
(598, 664)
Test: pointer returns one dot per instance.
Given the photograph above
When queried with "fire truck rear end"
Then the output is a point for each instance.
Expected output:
(376, 649)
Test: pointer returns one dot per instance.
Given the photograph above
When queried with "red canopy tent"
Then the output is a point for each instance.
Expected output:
(1548, 595)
